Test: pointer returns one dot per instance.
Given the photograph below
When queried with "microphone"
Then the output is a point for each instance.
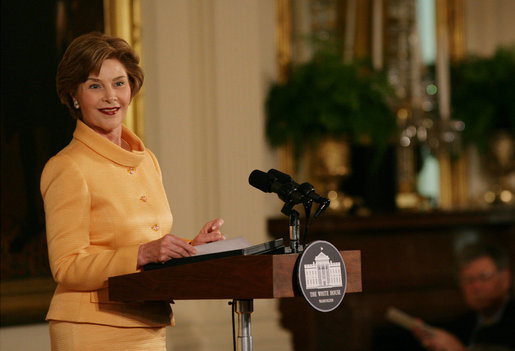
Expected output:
(306, 189)
(261, 180)
(270, 184)
(282, 177)
(292, 194)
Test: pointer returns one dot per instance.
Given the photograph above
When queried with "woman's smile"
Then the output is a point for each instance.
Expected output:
(109, 110)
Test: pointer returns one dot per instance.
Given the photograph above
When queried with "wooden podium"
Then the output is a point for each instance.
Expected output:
(240, 278)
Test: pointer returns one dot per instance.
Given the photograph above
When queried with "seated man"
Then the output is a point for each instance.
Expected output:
(485, 280)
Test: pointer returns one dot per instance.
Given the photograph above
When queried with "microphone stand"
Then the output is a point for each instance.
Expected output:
(295, 246)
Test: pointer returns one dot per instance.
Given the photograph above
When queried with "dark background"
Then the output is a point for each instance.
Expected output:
(34, 124)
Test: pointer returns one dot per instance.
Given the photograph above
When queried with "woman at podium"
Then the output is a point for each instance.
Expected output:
(106, 209)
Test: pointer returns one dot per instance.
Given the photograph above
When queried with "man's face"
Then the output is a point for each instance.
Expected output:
(484, 287)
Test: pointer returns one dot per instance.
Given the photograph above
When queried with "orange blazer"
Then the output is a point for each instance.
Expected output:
(101, 203)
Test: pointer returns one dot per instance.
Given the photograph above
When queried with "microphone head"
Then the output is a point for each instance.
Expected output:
(261, 180)
(280, 176)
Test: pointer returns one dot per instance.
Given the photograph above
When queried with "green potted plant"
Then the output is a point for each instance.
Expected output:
(326, 98)
(482, 96)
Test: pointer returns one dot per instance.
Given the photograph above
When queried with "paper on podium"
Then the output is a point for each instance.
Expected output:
(223, 245)
(223, 248)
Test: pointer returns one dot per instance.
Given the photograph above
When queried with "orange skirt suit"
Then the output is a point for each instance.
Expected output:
(101, 203)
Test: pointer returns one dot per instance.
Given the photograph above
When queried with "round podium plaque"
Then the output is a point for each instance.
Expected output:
(322, 276)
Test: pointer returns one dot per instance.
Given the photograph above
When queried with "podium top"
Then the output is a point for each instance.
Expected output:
(273, 246)
(238, 277)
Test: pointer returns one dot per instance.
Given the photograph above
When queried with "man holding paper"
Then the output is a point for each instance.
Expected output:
(485, 281)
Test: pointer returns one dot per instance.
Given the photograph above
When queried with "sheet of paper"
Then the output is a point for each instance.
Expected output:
(223, 245)
(406, 321)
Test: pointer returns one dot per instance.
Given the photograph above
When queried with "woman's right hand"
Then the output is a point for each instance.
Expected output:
(161, 250)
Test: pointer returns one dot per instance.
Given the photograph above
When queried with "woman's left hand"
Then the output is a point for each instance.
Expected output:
(209, 232)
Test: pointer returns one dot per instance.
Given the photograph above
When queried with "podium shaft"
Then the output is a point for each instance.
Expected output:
(244, 308)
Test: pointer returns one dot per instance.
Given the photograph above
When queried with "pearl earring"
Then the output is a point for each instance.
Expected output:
(76, 104)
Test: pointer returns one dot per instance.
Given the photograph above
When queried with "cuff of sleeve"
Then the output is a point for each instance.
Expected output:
(129, 256)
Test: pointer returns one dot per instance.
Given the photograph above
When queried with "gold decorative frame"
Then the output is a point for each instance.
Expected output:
(453, 172)
(25, 300)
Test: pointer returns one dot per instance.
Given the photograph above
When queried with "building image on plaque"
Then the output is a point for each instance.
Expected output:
(323, 273)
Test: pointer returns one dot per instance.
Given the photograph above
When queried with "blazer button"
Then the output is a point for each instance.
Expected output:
(131, 170)
(155, 227)
(143, 198)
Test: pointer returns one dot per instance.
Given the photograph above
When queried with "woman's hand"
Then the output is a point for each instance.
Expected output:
(170, 246)
(161, 250)
(209, 232)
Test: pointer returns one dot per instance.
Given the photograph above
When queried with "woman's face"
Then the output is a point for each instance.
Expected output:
(104, 98)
